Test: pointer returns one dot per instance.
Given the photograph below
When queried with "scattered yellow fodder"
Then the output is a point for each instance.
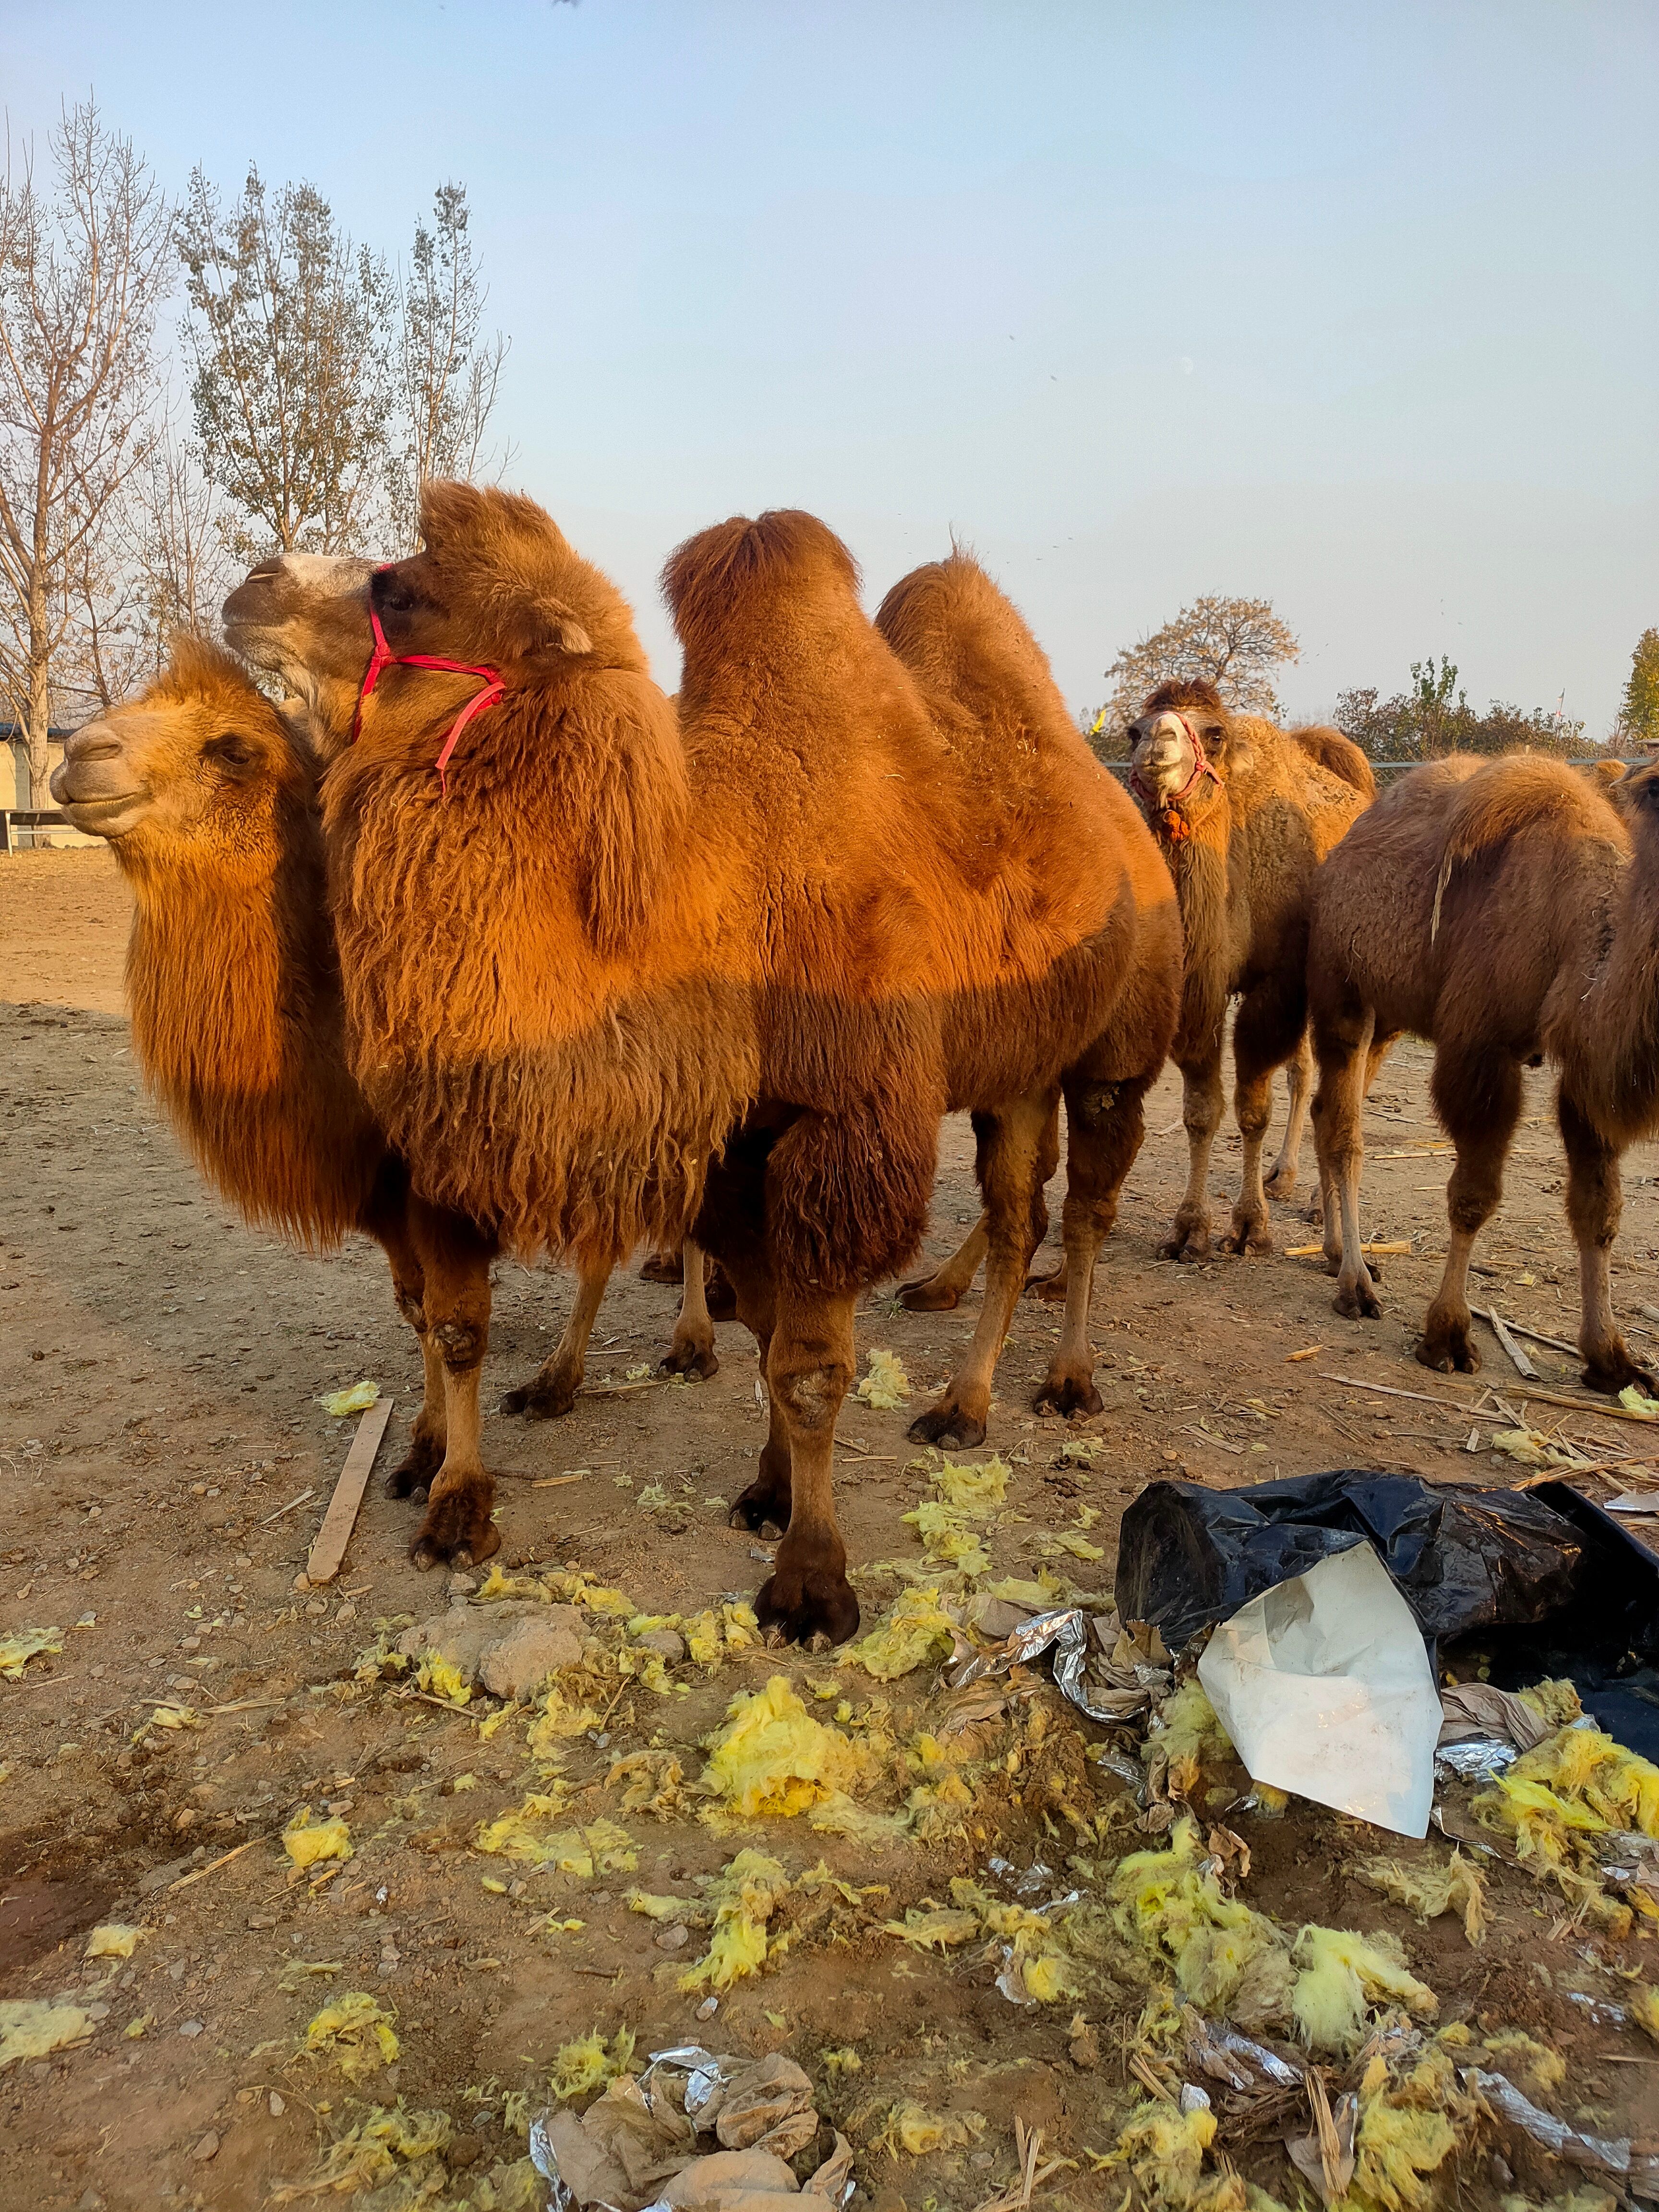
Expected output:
(1577, 1784)
(1164, 2149)
(356, 2032)
(886, 1386)
(368, 2155)
(24, 1644)
(932, 1927)
(1187, 1726)
(1049, 1546)
(442, 1678)
(1341, 1973)
(115, 1939)
(1644, 2009)
(1556, 1701)
(771, 1757)
(655, 1782)
(1531, 2066)
(1041, 1595)
(596, 1847)
(655, 1907)
(357, 1400)
(1409, 2125)
(911, 2128)
(744, 1895)
(31, 2029)
(962, 1497)
(309, 1842)
(972, 1489)
(917, 1629)
(558, 1717)
(587, 2063)
(845, 2061)
(1429, 1890)
(1227, 1957)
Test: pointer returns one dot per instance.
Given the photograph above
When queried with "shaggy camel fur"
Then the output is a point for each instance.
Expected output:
(787, 934)
(1507, 912)
(211, 808)
(1244, 813)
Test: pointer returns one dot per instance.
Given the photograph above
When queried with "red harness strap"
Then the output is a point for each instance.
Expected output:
(1176, 826)
(383, 657)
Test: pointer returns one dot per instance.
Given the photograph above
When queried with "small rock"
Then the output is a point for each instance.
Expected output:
(347, 1613)
(1084, 2049)
(532, 1651)
(189, 2029)
(301, 1581)
(675, 1938)
(462, 1585)
(278, 2105)
(316, 1608)
(708, 2007)
(464, 2150)
(668, 1641)
(100, 2011)
(245, 2096)
(982, 2159)
(208, 2147)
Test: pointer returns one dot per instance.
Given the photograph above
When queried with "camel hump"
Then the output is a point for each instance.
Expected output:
(1339, 755)
(1522, 792)
(749, 559)
(958, 633)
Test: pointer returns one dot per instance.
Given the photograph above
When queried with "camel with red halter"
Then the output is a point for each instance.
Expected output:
(1244, 813)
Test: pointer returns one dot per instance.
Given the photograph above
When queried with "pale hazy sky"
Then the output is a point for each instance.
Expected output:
(1351, 306)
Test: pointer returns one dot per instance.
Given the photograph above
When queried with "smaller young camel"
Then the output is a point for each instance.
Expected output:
(1507, 912)
(208, 802)
(1244, 813)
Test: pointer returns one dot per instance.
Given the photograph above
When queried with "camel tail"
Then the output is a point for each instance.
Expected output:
(1339, 755)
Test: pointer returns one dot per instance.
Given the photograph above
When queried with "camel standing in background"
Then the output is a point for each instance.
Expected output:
(792, 932)
(1507, 912)
(209, 806)
(1244, 813)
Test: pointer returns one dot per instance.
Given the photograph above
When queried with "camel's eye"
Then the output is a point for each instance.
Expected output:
(230, 751)
(392, 593)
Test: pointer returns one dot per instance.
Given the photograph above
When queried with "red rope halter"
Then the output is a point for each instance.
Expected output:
(383, 657)
(1176, 826)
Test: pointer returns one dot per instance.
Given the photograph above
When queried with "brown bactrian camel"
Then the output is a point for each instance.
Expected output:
(786, 933)
(1244, 813)
(208, 802)
(1507, 912)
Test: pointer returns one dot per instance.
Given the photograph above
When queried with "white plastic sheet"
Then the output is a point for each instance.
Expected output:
(1324, 1687)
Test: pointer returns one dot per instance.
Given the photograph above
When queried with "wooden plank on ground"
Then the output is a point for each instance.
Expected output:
(329, 1548)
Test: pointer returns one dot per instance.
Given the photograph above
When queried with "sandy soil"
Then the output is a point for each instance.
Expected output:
(164, 1463)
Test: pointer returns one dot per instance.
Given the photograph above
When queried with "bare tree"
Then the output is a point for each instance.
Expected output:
(82, 269)
(447, 375)
(289, 340)
(1235, 643)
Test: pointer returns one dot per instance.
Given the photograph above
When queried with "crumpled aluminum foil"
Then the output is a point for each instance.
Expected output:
(1066, 1632)
(1477, 1758)
(1605, 2155)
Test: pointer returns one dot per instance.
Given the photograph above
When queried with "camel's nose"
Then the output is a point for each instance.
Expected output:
(93, 741)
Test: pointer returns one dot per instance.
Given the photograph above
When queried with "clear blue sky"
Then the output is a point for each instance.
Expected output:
(1354, 307)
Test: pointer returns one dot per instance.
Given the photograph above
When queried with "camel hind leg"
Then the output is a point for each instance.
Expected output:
(1011, 1159)
(455, 1258)
(1281, 1178)
(1200, 1112)
(807, 1598)
(551, 1390)
(386, 1220)
(944, 1290)
(1270, 1020)
(1594, 1202)
(1105, 1123)
(691, 1351)
(1341, 1045)
(1477, 1096)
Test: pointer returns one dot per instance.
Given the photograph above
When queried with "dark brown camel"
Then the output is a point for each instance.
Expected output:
(1505, 911)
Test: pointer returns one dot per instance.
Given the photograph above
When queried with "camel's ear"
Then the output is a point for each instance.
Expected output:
(449, 511)
(528, 623)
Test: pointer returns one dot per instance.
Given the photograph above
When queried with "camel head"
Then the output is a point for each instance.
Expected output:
(1163, 755)
(200, 761)
(496, 583)
(304, 616)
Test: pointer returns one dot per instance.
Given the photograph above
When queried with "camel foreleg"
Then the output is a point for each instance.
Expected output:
(1271, 1018)
(386, 1220)
(1340, 1046)
(1011, 1160)
(1200, 1110)
(1594, 1202)
(691, 1349)
(1105, 1122)
(551, 1390)
(1281, 1179)
(1478, 1098)
(455, 1258)
(807, 1598)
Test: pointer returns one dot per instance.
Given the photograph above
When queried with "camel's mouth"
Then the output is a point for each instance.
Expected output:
(97, 813)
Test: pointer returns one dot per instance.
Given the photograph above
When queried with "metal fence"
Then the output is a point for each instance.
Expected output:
(1390, 771)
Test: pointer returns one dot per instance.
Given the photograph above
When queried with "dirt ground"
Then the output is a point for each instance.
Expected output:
(164, 1464)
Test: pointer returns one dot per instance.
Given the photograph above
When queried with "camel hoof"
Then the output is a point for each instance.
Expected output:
(412, 1476)
(1448, 1353)
(1248, 1243)
(1281, 1185)
(929, 1296)
(759, 1509)
(1357, 1301)
(1068, 1394)
(662, 1267)
(1190, 1248)
(1610, 1380)
(697, 1362)
(457, 1532)
(719, 1296)
(1050, 1289)
(947, 1423)
(540, 1401)
(818, 1610)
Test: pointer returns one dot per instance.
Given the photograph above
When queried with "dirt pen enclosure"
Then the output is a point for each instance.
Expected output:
(165, 1463)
